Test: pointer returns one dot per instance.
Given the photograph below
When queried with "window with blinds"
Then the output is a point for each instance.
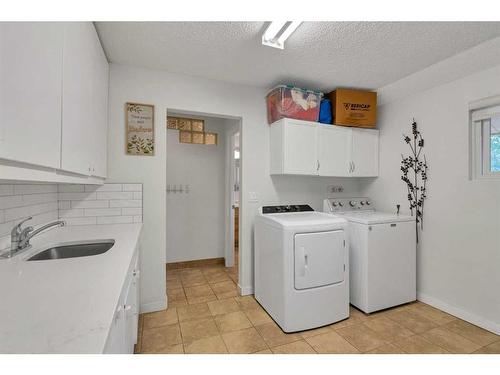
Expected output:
(485, 132)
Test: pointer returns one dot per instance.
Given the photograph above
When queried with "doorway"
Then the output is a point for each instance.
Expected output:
(202, 206)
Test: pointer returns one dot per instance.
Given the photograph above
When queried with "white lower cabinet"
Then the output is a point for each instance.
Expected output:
(314, 149)
(123, 332)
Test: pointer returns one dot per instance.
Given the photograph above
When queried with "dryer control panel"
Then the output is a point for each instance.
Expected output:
(286, 208)
(347, 204)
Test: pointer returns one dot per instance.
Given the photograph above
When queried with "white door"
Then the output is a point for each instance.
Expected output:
(333, 144)
(364, 152)
(30, 92)
(391, 251)
(300, 148)
(319, 259)
(78, 71)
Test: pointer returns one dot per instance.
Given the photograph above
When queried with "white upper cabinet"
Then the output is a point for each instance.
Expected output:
(77, 98)
(300, 148)
(364, 152)
(294, 147)
(85, 95)
(100, 84)
(334, 150)
(310, 148)
(30, 92)
(53, 102)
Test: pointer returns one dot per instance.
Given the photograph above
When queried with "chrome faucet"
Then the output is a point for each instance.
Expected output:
(20, 238)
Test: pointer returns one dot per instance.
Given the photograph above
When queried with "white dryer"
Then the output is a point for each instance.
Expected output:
(382, 254)
(301, 266)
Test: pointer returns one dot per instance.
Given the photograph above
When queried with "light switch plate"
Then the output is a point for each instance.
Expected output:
(252, 196)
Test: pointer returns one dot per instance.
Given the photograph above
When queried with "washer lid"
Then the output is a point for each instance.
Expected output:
(375, 217)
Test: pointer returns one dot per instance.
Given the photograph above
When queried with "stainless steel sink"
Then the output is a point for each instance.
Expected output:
(74, 250)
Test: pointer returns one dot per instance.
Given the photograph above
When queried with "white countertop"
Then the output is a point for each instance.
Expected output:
(64, 305)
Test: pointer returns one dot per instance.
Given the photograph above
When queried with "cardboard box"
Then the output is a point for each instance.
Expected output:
(354, 108)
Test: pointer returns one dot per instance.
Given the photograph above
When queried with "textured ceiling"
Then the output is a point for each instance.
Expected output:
(319, 55)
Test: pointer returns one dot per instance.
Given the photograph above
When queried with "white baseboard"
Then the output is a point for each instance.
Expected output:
(245, 290)
(153, 306)
(459, 313)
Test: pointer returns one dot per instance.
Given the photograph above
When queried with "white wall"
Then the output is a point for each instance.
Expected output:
(184, 93)
(196, 220)
(459, 253)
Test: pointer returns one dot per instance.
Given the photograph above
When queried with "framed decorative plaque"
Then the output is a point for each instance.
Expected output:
(139, 129)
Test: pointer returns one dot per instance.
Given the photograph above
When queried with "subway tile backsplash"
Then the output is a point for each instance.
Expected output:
(20, 201)
(103, 204)
(76, 204)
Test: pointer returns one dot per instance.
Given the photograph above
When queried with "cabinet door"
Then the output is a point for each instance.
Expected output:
(334, 149)
(364, 153)
(115, 343)
(99, 110)
(30, 92)
(132, 307)
(123, 333)
(131, 317)
(77, 98)
(300, 148)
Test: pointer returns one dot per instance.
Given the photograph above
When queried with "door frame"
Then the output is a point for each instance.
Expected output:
(230, 177)
(238, 121)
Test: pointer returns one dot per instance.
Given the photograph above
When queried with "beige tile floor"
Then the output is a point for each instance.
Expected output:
(206, 315)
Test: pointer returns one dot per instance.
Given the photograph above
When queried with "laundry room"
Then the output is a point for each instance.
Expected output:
(178, 186)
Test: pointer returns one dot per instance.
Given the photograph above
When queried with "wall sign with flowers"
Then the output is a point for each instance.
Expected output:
(139, 129)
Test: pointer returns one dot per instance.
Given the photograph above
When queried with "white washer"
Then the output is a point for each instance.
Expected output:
(382, 253)
(301, 266)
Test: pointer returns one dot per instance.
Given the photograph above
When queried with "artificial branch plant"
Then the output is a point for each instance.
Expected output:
(414, 171)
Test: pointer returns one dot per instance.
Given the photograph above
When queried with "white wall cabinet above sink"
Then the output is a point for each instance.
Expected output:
(53, 102)
(30, 92)
(84, 95)
(310, 148)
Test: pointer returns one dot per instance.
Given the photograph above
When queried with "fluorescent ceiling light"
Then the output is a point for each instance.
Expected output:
(279, 31)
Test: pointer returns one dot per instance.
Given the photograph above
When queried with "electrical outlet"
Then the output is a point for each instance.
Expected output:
(252, 196)
(332, 189)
